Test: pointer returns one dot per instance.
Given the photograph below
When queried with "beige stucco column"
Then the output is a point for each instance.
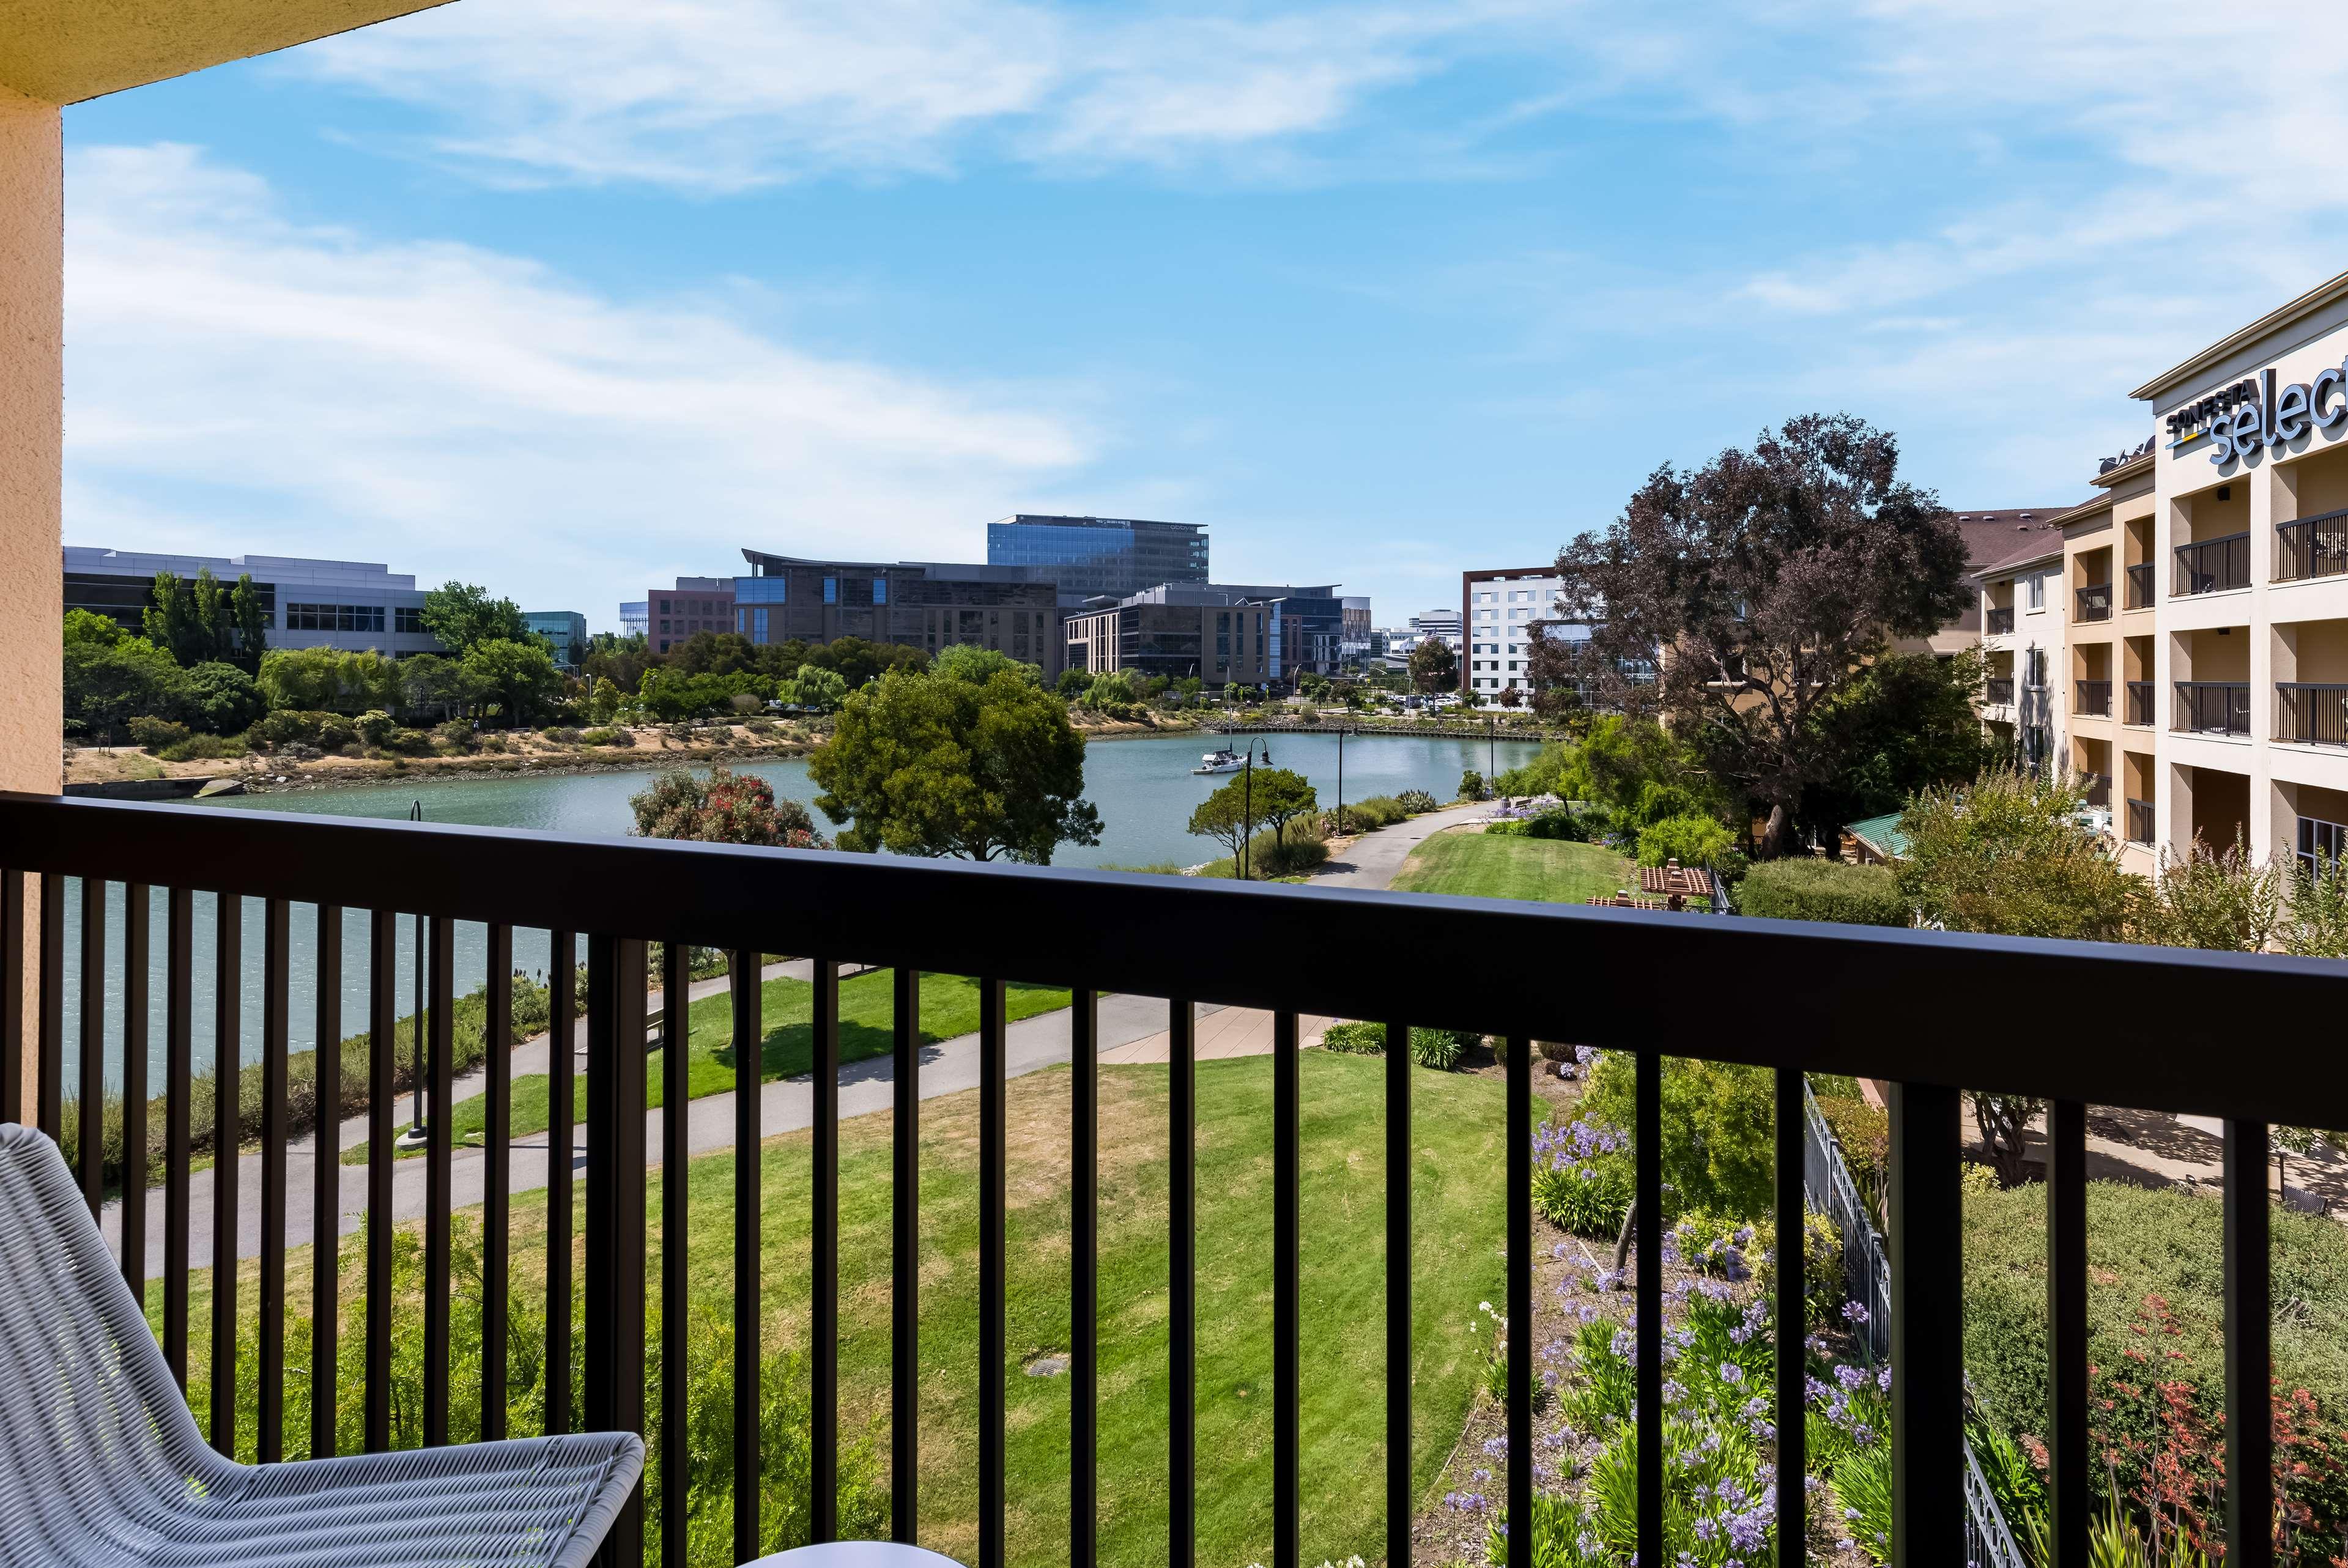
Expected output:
(32, 402)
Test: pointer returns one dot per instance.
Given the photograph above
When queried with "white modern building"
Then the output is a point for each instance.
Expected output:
(1498, 609)
(307, 604)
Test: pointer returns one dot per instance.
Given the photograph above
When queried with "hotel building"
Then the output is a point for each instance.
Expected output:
(2204, 661)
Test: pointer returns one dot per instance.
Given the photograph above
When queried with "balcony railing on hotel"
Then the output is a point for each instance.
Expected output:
(2001, 619)
(2139, 702)
(2311, 547)
(2139, 586)
(2214, 564)
(2096, 602)
(2093, 698)
(2139, 821)
(1998, 690)
(2214, 707)
(2311, 714)
(1093, 932)
(2097, 788)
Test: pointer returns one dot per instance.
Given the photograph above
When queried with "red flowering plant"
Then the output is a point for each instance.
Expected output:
(726, 808)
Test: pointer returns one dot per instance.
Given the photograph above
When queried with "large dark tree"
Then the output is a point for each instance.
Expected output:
(1754, 590)
(1433, 666)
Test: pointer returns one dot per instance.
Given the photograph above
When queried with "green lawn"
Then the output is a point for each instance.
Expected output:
(1503, 865)
(1458, 1262)
(867, 1029)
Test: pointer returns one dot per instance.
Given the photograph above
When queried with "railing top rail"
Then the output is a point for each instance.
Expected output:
(1590, 975)
(2206, 543)
(2332, 516)
(2310, 685)
(2213, 685)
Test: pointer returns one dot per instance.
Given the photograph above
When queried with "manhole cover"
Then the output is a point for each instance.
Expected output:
(1050, 1365)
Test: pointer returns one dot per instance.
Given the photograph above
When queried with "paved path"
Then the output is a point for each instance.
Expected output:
(1129, 1028)
(1373, 859)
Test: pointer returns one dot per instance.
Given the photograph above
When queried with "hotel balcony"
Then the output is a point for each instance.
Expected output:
(2213, 708)
(2214, 565)
(2141, 822)
(2310, 715)
(2139, 586)
(2311, 547)
(1997, 691)
(2095, 602)
(2139, 703)
(2092, 699)
(1999, 621)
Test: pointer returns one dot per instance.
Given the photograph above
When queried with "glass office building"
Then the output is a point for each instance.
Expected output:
(1087, 556)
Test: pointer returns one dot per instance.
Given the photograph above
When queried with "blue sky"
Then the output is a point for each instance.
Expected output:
(569, 296)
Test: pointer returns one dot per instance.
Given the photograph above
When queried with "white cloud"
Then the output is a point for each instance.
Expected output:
(237, 381)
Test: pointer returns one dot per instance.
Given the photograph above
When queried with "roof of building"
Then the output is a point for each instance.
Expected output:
(2274, 321)
(1992, 537)
(1881, 834)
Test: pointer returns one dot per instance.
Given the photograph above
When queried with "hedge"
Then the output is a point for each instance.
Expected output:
(1822, 889)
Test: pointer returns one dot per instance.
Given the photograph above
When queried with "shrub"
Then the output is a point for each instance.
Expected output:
(1689, 839)
(407, 742)
(1471, 785)
(1582, 1193)
(1823, 890)
(1377, 812)
(288, 727)
(1301, 848)
(1415, 801)
(1864, 1134)
(155, 734)
(560, 734)
(1719, 1143)
(1558, 822)
(374, 727)
(606, 736)
(1356, 1038)
(753, 725)
(1714, 1244)
(455, 735)
(1822, 1276)
(726, 808)
(205, 749)
(1440, 1048)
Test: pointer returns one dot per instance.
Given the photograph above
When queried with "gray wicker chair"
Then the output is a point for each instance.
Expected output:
(101, 1464)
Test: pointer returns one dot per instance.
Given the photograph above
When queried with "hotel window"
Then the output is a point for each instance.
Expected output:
(407, 620)
(2034, 668)
(2318, 836)
(2033, 591)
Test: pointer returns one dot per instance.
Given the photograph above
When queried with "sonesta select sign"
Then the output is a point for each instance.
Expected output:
(2254, 413)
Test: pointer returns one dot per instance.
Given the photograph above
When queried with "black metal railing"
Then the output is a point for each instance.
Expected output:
(2139, 821)
(1128, 934)
(2096, 602)
(2093, 698)
(2139, 702)
(2213, 708)
(2139, 586)
(2097, 788)
(2214, 564)
(1998, 690)
(2311, 714)
(2311, 547)
(2001, 619)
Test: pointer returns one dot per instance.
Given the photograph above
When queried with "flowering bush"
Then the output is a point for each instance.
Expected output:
(1581, 1177)
(726, 808)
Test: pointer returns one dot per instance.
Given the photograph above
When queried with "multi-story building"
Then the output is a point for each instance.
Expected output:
(1498, 611)
(694, 604)
(1443, 624)
(1357, 641)
(2193, 616)
(566, 629)
(928, 605)
(1087, 557)
(1177, 633)
(305, 604)
(635, 617)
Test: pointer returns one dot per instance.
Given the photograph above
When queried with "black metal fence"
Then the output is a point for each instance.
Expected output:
(2214, 707)
(1093, 932)
(2139, 586)
(2214, 564)
(2092, 699)
(1998, 690)
(2096, 602)
(2001, 619)
(2139, 702)
(2311, 547)
(2309, 713)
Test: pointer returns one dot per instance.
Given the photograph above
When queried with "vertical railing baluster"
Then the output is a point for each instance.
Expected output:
(383, 1050)
(823, 1470)
(327, 1187)
(748, 988)
(275, 1039)
(12, 996)
(677, 1220)
(2250, 1333)
(1647, 1150)
(89, 1070)
(562, 1065)
(1927, 1456)
(1519, 1165)
(993, 1139)
(1789, 1254)
(1183, 1285)
(497, 1177)
(137, 915)
(51, 1038)
(440, 937)
(1287, 1289)
(228, 1140)
(1084, 1277)
(2071, 1505)
(179, 1093)
(1400, 1494)
(614, 1273)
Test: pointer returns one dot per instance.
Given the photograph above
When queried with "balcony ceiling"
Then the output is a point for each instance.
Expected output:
(62, 51)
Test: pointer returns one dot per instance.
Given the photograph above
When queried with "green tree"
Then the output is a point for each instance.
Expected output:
(462, 614)
(1906, 723)
(1622, 758)
(617, 659)
(602, 699)
(199, 620)
(1433, 667)
(1692, 839)
(816, 687)
(1281, 796)
(323, 679)
(975, 665)
(723, 808)
(516, 674)
(250, 623)
(1232, 693)
(434, 685)
(937, 765)
(1074, 683)
(1719, 1141)
(1229, 817)
(2318, 922)
(219, 698)
(111, 678)
(2218, 900)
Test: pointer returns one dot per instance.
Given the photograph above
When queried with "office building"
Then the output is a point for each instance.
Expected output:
(1357, 644)
(1177, 633)
(2200, 675)
(1498, 611)
(1443, 624)
(635, 617)
(305, 604)
(928, 605)
(566, 629)
(1087, 557)
(695, 605)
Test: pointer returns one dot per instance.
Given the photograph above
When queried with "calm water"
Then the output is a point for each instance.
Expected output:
(1144, 791)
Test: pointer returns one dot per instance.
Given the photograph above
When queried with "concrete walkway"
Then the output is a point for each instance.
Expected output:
(1374, 859)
